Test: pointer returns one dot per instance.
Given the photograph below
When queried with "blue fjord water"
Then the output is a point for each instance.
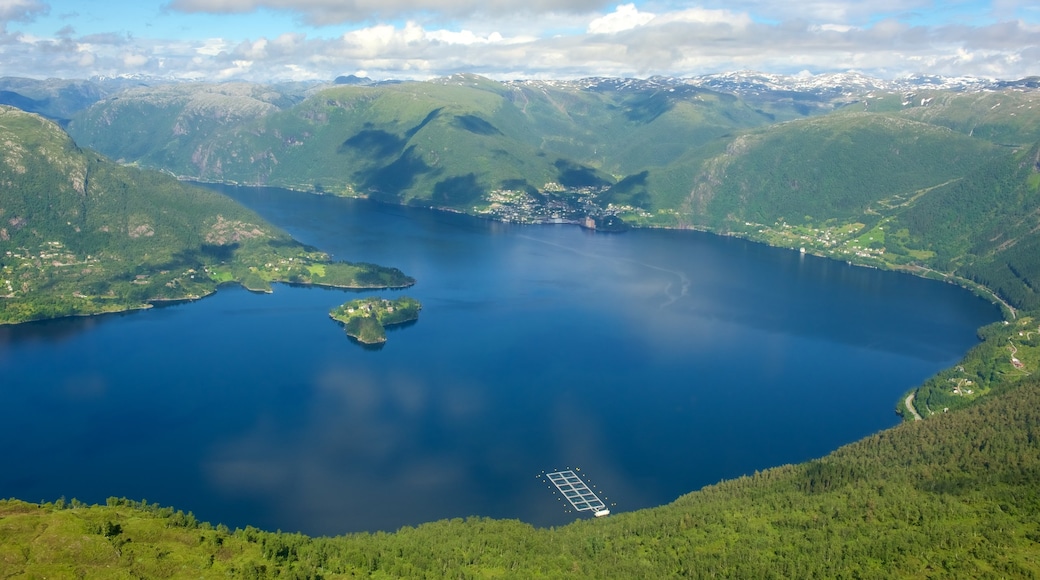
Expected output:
(655, 361)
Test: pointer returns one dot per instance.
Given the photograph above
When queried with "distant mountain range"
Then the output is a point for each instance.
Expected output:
(60, 98)
(831, 85)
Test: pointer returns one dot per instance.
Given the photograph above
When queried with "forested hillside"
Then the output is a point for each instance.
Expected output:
(448, 142)
(83, 235)
(952, 497)
(885, 189)
(831, 168)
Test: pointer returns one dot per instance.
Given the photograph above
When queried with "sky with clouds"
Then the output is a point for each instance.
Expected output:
(268, 40)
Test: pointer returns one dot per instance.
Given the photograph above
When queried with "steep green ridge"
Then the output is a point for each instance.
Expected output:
(1010, 117)
(832, 167)
(82, 235)
(953, 497)
(984, 226)
(445, 143)
(888, 190)
(166, 127)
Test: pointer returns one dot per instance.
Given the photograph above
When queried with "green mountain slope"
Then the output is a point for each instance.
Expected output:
(164, 126)
(81, 235)
(956, 496)
(446, 143)
(888, 190)
(1009, 117)
(832, 167)
(985, 226)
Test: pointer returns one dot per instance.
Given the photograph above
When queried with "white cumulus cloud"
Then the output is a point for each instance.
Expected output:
(624, 17)
(134, 61)
(706, 16)
(567, 39)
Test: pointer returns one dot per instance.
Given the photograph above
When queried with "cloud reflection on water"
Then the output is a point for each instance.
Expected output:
(360, 453)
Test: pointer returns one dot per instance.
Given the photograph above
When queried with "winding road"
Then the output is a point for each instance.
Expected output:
(910, 405)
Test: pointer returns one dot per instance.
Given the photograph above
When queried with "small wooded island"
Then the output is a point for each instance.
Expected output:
(366, 319)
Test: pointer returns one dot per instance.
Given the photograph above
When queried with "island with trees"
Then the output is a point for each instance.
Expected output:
(366, 319)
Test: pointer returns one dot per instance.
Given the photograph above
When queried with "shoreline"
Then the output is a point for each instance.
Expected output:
(160, 302)
(1009, 312)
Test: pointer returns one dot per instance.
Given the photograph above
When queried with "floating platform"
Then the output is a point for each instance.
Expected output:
(578, 493)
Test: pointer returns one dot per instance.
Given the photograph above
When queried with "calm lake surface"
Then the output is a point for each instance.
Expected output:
(657, 362)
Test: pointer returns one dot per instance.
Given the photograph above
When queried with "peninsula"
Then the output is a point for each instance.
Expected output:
(83, 235)
(366, 319)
